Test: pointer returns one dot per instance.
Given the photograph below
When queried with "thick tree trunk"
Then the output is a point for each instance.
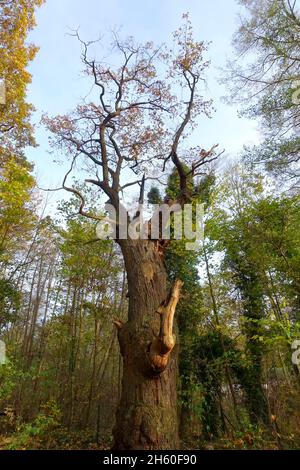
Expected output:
(147, 413)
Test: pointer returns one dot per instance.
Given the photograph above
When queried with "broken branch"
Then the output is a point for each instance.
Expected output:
(164, 343)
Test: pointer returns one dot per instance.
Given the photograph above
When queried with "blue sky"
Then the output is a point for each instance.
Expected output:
(58, 84)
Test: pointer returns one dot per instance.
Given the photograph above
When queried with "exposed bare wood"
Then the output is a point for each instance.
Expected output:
(118, 323)
(163, 344)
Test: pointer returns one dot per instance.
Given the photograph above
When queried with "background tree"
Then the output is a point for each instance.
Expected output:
(265, 79)
(16, 20)
(17, 199)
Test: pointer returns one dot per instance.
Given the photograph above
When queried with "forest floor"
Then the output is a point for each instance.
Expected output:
(63, 439)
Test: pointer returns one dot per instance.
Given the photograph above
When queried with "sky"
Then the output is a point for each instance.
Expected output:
(58, 83)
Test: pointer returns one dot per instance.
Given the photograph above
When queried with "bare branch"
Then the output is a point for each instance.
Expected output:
(77, 193)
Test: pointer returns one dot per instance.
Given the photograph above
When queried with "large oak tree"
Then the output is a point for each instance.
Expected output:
(134, 130)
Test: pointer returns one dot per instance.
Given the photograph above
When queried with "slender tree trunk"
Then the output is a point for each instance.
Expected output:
(103, 369)
(147, 413)
(216, 315)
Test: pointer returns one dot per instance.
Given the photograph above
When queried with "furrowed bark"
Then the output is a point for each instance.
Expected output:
(147, 414)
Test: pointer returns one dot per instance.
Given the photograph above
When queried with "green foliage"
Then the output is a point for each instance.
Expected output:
(17, 206)
(48, 419)
(212, 354)
(10, 377)
(10, 301)
(154, 196)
